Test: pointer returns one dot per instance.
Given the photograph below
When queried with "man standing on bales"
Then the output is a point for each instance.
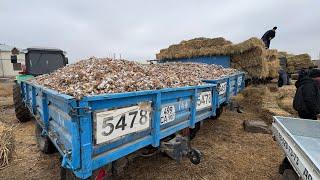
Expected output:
(266, 38)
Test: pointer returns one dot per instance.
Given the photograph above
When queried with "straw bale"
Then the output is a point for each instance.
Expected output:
(249, 55)
(274, 67)
(210, 47)
(273, 62)
(297, 62)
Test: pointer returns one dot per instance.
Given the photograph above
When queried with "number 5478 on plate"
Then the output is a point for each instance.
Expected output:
(112, 124)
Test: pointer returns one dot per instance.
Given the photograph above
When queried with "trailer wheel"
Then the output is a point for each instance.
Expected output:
(218, 113)
(100, 174)
(193, 132)
(289, 174)
(44, 143)
(195, 156)
(67, 174)
(22, 112)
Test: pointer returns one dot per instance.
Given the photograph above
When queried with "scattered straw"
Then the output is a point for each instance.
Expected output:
(6, 145)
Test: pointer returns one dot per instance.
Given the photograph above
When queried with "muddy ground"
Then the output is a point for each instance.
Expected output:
(228, 151)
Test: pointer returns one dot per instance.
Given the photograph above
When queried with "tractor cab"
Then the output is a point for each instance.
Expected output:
(37, 61)
(40, 60)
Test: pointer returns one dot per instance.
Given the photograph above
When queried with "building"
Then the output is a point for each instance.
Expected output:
(7, 69)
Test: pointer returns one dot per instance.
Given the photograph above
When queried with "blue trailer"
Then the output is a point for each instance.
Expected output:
(228, 86)
(223, 61)
(94, 132)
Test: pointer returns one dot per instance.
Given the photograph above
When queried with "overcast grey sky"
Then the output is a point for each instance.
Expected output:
(138, 29)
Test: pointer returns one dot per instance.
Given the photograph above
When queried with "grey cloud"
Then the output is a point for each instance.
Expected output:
(139, 29)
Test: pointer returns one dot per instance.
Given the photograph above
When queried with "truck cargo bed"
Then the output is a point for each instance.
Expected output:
(300, 140)
(96, 130)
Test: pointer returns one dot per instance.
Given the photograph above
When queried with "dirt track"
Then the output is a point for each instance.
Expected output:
(228, 152)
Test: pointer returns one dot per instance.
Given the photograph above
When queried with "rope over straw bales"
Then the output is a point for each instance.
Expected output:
(250, 55)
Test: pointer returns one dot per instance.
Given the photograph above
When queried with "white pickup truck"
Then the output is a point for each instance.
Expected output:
(300, 141)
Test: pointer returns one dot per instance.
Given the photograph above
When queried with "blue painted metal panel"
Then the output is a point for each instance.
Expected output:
(70, 123)
(224, 61)
(235, 84)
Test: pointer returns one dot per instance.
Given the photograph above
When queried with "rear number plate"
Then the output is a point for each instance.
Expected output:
(204, 100)
(239, 81)
(168, 114)
(222, 88)
(115, 123)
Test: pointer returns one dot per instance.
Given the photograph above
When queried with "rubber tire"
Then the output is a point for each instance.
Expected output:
(44, 143)
(218, 113)
(22, 112)
(195, 157)
(193, 131)
(284, 165)
(289, 174)
(67, 174)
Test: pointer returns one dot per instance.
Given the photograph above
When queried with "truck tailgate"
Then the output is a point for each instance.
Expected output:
(300, 140)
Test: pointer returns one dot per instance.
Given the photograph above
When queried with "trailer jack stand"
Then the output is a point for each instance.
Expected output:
(179, 147)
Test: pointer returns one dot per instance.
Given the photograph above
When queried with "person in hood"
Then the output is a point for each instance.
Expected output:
(283, 78)
(307, 98)
(267, 36)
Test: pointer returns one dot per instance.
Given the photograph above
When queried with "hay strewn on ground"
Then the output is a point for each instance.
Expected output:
(250, 55)
(6, 145)
(5, 90)
(263, 102)
(285, 98)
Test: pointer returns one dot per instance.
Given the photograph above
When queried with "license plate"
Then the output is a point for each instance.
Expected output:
(239, 81)
(168, 114)
(222, 88)
(113, 124)
(204, 100)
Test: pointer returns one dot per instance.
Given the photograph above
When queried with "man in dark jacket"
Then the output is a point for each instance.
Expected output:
(307, 98)
(266, 38)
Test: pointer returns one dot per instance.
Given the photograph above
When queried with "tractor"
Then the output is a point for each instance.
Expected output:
(38, 61)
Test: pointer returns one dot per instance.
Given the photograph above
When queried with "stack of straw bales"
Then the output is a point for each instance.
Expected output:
(297, 62)
(250, 55)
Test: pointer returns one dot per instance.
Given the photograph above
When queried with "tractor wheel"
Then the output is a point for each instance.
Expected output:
(44, 143)
(289, 174)
(22, 112)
